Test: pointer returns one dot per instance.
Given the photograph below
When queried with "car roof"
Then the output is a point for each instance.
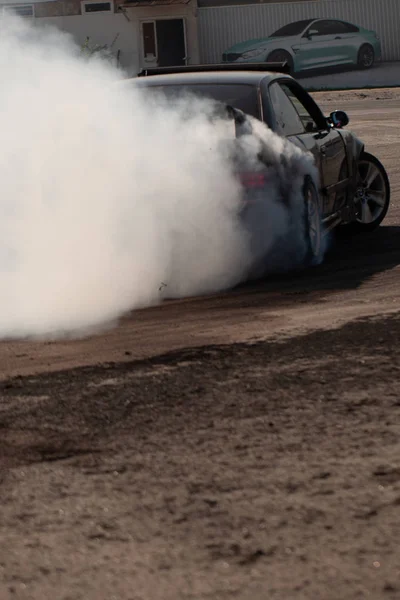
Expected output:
(309, 21)
(209, 77)
(331, 19)
(305, 21)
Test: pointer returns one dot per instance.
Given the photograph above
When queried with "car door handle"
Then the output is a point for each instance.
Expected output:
(338, 37)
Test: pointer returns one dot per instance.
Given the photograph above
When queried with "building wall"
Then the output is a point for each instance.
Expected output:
(103, 28)
(222, 27)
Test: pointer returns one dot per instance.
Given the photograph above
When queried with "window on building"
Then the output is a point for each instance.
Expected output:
(22, 10)
(149, 39)
(96, 7)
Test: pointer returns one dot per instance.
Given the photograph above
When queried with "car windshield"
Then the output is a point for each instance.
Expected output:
(238, 95)
(292, 29)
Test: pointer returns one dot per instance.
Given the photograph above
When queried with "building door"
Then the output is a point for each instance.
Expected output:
(163, 43)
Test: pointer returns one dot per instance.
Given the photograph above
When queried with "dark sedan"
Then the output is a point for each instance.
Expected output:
(354, 190)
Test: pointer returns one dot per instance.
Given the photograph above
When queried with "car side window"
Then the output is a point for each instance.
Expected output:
(307, 120)
(348, 27)
(333, 27)
(337, 27)
(319, 28)
(287, 118)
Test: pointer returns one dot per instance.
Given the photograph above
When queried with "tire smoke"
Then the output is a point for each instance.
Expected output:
(110, 200)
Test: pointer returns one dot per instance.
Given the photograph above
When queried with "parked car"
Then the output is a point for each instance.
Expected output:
(311, 44)
(354, 189)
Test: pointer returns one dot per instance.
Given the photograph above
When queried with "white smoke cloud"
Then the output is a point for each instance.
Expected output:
(107, 195)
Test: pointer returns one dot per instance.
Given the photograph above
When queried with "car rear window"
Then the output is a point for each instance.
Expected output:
(243, 96)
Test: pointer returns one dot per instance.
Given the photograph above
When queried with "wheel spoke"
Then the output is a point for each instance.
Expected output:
(377, 197)
(366, 214)
(372, 174)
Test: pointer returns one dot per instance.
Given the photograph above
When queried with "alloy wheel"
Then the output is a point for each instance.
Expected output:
(370, 199)
(367, 57)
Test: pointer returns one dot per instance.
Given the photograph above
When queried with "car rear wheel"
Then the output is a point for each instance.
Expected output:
(312, 222)
(281, 56)
(372, 197)
(366, 56)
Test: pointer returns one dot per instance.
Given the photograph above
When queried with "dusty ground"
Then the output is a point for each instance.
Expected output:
(262, 469)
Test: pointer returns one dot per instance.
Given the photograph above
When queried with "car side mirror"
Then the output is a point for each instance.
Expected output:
(311, 33)
(339, 119)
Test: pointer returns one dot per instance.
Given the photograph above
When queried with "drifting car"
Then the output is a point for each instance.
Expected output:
(353, 189)
(311, 44)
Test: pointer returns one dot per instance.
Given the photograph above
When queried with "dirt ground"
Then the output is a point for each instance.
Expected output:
(244, 445)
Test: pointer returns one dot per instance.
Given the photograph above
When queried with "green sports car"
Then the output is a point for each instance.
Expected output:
(311, 44)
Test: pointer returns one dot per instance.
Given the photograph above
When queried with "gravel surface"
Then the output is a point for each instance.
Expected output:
(241, 446)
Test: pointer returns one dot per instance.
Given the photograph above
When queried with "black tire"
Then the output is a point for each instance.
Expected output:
(312, 223)
(371, 201)
(366, 57)
(281, 56)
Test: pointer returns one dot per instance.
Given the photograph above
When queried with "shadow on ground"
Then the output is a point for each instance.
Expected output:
(349, 262)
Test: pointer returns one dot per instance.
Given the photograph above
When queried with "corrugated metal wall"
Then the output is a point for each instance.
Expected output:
(221, 27)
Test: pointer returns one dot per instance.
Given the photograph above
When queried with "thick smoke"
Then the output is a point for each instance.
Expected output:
(111, 200)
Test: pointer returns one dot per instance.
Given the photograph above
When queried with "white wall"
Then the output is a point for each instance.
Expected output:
(102, 28)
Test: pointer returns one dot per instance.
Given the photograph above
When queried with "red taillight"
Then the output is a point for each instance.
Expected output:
(253, 180)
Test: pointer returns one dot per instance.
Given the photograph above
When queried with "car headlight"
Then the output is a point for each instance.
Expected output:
(253, 53)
